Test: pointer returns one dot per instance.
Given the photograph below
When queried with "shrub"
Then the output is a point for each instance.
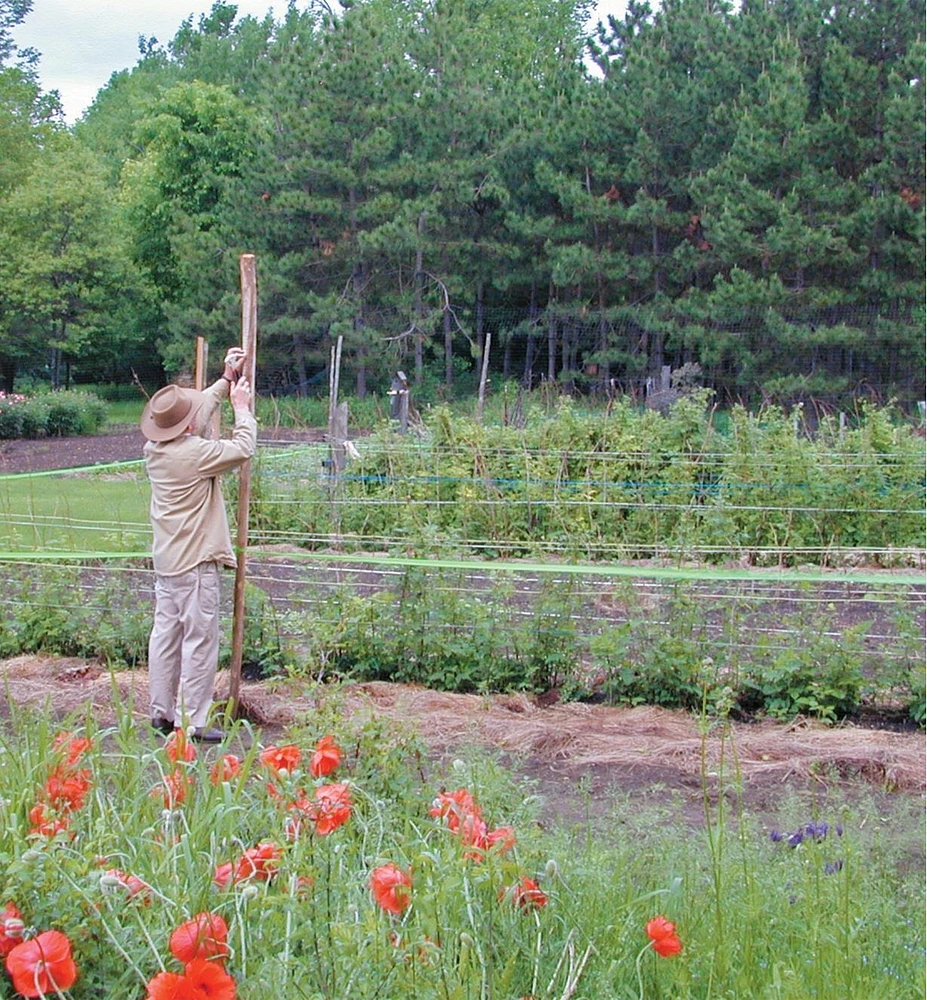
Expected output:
(11, 414)
(820, 676)
(57, 414)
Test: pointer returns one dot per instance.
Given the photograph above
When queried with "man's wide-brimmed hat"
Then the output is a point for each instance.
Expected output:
(170, 411)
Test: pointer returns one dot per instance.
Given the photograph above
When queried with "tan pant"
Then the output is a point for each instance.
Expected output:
(183, 649)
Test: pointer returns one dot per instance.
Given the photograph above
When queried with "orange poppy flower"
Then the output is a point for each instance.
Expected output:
(178, 747)
(75, 746)
(281, 758)
(43, 825)
(527, 894)
(326, 758)
(66, 789)
(201, 980)
(11, 928)
(259, 862)
(663, 937)
(454, 807)
(42, 965)
(133, 885)
(204, 936)
(226, 768)
(331, 809)
(391, 888)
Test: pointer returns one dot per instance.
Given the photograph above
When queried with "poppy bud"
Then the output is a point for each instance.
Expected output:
(13, 927)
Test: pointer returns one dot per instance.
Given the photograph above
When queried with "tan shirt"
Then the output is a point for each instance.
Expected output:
(187, 510)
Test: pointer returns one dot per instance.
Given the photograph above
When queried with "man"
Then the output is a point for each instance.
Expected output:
(191, 541)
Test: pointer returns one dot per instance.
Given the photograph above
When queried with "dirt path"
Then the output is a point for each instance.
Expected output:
(123, 443)
(584, 760)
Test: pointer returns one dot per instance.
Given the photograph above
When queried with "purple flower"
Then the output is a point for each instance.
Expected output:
(816, 831)
(794, 839)
(832, 867)
(776, 835)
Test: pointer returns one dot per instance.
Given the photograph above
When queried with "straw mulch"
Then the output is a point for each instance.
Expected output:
(628, 740)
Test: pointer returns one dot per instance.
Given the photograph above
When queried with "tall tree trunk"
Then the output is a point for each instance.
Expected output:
(357, 286)
(551, 335)
(479, 317)
(448, 348)
(528, 377)
(419, 305)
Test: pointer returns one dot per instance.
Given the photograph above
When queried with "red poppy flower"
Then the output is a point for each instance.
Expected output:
(75, 746)
(391, 887)
(332, 808)
(527, 894)
(663, 937)
(42, 965)
(455, 806)
(225, 874)
(178, 747)
(226, 768)
(168, 986)
(11, 928)
(281, 758)
(133, 885)
(204, 936)
(175, 788)
(44, 825)
(326, 758)
(209, 980)
(502, 837)
(66, 789)
(259, 862)
(201, 980)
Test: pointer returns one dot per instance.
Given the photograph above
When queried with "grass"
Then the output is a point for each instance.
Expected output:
(124, 411)
(836, 917)
(87, 512)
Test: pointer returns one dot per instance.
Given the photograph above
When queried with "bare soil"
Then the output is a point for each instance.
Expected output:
(585, 761)
(122, 443)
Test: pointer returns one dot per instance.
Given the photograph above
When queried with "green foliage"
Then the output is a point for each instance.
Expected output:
(819, 675)
(263, 653)
(669, 666)
(448, 638)
(625, 482)
(67, 611)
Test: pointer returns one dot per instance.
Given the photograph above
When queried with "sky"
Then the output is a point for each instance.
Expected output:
(83, 42)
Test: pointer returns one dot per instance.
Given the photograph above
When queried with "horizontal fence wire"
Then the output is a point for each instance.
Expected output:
(321, 559)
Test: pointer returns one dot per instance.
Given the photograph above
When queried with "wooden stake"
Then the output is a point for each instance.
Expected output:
(199, 365)
(483, 373)
(200, 369)
(249, 345)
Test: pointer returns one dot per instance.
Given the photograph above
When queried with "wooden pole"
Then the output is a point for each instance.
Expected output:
(199, 365)
(200, 370)
(483, 373)
(249, 346)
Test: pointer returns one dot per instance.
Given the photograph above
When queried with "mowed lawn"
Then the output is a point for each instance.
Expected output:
(46, 513)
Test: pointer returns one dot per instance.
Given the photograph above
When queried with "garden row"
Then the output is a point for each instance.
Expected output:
(828, 651)
(622, 484)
